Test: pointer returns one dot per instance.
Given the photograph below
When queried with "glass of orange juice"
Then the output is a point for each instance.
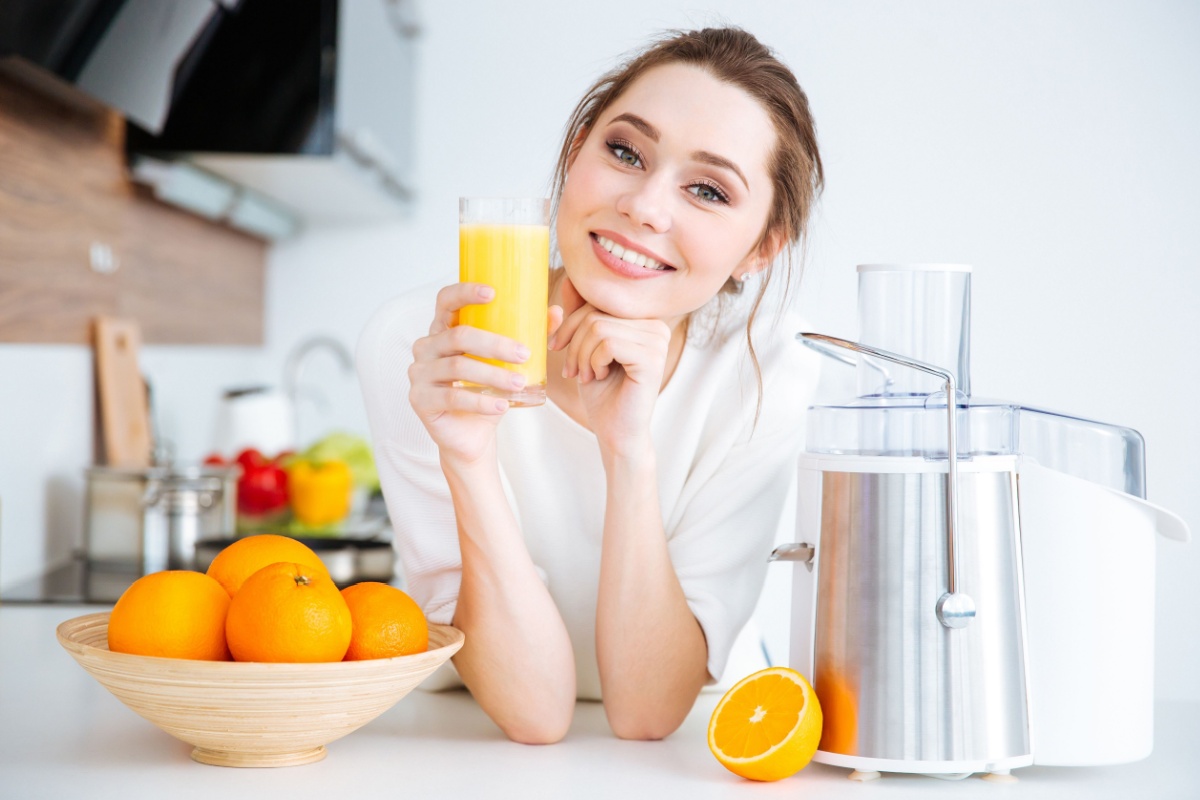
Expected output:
(504, 242)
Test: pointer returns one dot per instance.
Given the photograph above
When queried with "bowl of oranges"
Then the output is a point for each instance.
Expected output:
(261, 661)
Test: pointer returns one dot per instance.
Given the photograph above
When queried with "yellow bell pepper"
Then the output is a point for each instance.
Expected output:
(321, 492)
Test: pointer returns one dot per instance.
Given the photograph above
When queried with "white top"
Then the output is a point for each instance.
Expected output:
(723, 480)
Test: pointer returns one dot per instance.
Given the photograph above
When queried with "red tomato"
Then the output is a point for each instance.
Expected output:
(250, 457)
(263, 486)
(214, 460)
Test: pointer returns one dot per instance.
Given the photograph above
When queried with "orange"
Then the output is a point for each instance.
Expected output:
(840, 706)
(767, 726)
(246, 556)
(173, 614)
(288, 612)
(386, 621)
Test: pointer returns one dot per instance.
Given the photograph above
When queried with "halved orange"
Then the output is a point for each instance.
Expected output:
(767, 726)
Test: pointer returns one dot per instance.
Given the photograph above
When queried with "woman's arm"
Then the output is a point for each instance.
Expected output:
(517, 659)
(650, 648)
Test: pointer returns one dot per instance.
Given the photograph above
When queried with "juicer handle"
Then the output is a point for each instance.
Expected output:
(955, 609)
(797, 551)
(829, 352)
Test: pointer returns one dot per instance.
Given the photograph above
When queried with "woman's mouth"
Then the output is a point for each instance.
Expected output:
(627, 261)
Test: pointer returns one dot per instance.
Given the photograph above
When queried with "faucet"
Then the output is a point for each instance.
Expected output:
(299, 356)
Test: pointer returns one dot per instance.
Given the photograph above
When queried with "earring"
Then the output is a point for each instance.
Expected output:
(745, 276)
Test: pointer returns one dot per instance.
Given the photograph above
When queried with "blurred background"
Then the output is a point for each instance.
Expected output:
(1051, 146)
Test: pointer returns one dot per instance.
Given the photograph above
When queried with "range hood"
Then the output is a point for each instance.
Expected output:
(265, 114)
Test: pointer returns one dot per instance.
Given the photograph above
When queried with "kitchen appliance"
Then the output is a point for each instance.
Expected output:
(140, 521)
(349, 557)
(255, 416)
(973, 588)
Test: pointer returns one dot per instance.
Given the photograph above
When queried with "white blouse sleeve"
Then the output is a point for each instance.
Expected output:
(721, 544)
(410, 474)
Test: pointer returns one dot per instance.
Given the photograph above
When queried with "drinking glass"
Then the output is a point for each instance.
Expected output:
(505, 243)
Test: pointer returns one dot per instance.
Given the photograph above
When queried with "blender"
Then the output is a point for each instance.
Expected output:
(972, 577)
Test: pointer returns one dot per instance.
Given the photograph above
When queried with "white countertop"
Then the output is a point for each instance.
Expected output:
(62, 736)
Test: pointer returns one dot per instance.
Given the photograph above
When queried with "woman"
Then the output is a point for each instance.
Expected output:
(612, 543)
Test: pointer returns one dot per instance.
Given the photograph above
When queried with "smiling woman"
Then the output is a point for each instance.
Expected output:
(612, 543)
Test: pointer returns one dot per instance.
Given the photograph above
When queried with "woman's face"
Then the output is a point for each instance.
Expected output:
(668, 195)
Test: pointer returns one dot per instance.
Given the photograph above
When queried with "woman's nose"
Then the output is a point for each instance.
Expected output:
(648, 203)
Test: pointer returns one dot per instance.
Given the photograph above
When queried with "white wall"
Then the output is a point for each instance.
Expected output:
(1051, 145)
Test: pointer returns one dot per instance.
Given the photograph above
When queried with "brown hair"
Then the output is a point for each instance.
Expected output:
(737, 58)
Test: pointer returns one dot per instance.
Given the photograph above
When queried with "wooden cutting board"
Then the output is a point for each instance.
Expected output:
(124, 410)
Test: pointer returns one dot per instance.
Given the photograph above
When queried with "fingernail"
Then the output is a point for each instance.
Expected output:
(522, 353)
(501, 405)
(565, 372)
(487, 292)
(517, 380)
(550, 344)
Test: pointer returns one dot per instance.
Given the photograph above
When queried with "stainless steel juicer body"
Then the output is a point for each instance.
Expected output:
(900, 690)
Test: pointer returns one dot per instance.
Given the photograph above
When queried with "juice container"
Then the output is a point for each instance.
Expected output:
(505, 243)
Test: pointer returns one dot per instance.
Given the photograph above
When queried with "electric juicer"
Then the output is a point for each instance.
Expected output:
(971, 577)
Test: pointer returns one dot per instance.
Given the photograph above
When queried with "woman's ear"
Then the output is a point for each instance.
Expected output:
(772, 246)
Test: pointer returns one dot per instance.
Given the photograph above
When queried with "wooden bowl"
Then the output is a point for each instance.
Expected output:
(242, 714)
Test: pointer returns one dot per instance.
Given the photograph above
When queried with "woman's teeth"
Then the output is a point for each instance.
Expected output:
(630, 256)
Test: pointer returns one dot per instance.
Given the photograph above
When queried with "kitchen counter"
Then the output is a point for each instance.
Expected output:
(62, 735)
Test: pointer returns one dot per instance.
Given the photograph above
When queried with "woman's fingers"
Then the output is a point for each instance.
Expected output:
(454, 297)
(602, 341)
(570, 336)
(431, 400)
(554, 318)
(463, 368)
(570, 323)
(464, 339)
(573, 309)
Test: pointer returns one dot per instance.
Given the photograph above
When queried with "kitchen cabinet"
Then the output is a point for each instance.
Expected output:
(79, 240)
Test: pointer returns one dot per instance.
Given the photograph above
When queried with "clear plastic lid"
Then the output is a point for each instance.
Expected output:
(915, 334)
(1110, 455)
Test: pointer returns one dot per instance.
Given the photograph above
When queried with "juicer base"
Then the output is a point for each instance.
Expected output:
(863, 764)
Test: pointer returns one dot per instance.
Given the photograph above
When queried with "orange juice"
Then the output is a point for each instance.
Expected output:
(514, 259)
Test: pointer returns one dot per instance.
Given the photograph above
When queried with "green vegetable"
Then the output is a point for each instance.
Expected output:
(352, 449)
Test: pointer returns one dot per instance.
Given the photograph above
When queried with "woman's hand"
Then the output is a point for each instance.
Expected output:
(462, 422)
(619, 364)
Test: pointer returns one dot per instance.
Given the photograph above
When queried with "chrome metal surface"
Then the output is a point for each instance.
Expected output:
(963, 607)
(829, 352)
(801, 551)
(147, 520)
(893, 680)
(955, 610)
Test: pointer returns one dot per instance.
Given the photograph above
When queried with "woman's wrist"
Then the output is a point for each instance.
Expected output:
(469, 467)
(632, 460)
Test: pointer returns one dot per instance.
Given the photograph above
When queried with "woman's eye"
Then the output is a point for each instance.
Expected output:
(625, 154)
(709, 194)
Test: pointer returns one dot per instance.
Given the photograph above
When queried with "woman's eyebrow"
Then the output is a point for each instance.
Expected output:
(645, 128)
(703, 156)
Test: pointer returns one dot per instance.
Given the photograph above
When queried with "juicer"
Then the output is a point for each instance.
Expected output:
(973, 581)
